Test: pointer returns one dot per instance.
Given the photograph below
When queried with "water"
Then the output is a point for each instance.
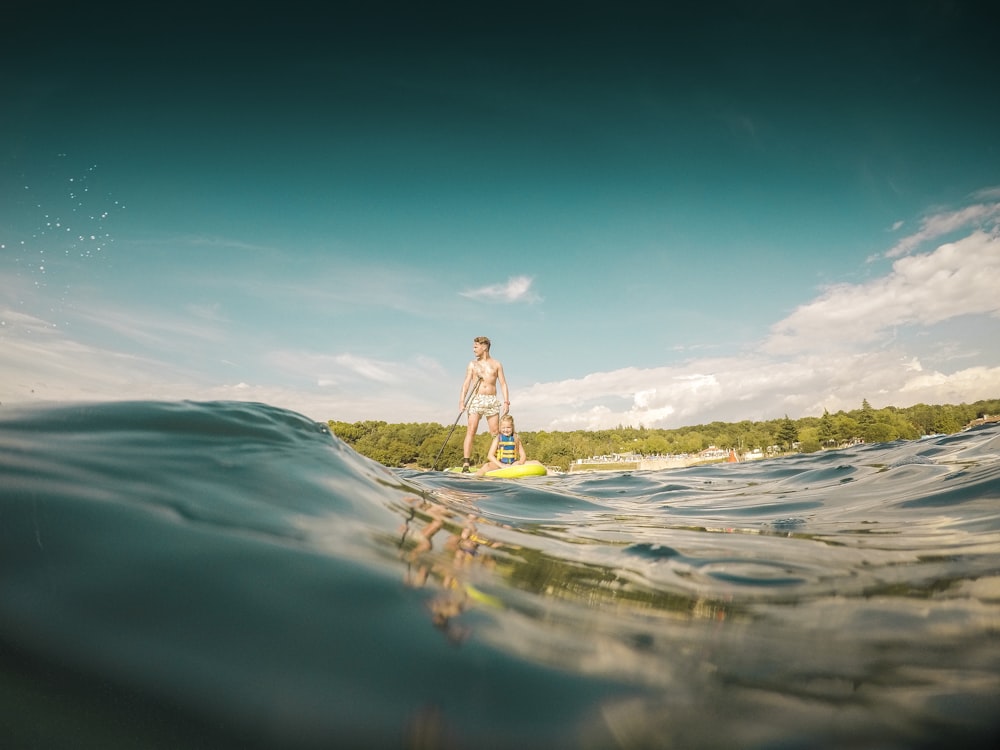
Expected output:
(232, 575)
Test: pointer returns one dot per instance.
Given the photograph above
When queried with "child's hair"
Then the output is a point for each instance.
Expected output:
(482, 340)
(507, 418)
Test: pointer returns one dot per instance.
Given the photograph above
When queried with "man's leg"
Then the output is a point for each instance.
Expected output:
(494, 422)
(470, 436)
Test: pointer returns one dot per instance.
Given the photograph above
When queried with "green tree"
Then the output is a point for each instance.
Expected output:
(879, 432)
(654, 444)
(902, 426)
(419, 443)
(692, 442)
(866, 422)
(948, 422)
(352, 433)
(923, 417)
(759, 436)
(788, 433)
(825, 432)
(845, 427)
(809, 441)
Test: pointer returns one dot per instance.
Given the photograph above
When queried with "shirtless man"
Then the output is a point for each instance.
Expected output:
(485, 402)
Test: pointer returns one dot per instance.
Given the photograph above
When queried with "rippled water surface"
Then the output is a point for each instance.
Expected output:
(233, 575)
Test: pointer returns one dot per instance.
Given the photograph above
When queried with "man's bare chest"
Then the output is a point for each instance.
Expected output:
(486, 370)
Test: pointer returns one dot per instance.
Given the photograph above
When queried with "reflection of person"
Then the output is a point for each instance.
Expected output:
(487, 372)
(506, 448)
(450, 567)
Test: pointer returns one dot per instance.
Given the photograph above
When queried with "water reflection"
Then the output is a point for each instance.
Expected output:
(448, 546)
(446, 563)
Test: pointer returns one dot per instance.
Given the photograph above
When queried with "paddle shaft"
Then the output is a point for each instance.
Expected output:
(468, 400)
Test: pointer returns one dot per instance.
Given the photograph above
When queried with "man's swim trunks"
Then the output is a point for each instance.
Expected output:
(485, 406)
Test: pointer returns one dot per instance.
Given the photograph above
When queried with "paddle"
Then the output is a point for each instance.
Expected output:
(468, 400)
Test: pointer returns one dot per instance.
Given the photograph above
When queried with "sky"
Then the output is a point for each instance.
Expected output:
(662, 214)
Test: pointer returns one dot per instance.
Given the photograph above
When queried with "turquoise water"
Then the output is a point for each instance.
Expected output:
(233, 575)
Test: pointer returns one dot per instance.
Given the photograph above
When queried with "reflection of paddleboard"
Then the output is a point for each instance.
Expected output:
(511, 472)
(481, 597)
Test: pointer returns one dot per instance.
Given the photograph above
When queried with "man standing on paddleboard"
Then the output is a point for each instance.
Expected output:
(482, 375)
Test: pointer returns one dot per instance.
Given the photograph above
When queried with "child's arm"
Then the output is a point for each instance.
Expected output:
(522, 456)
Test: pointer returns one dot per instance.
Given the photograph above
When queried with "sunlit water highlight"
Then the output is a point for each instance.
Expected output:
(233, 575)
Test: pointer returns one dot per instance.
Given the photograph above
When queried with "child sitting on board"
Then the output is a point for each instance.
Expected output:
(506, 448)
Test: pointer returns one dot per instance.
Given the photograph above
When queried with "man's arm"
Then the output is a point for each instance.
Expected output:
(503, 388)
(469, 372)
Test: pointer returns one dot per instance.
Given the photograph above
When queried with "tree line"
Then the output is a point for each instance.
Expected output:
(419, 444)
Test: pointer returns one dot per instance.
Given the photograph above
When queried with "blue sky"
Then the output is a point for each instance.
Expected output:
(660, 216)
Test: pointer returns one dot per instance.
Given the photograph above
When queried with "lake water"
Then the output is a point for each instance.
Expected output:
(233, 575)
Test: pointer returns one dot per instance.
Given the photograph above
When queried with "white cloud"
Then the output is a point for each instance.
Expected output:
(923, 332)
(987, 194)
(339, 369)
(516, 289)
(367, 368)
(221, 242)
(853, 342)
(152, 329)
(749, 387)
(336, 369)
(938, 225)
(956, 279)
(42, 362)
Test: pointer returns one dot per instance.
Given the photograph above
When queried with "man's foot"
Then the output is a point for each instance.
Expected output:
(465, 465)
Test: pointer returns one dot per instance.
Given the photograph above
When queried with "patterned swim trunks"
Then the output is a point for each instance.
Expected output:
(485, 406)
